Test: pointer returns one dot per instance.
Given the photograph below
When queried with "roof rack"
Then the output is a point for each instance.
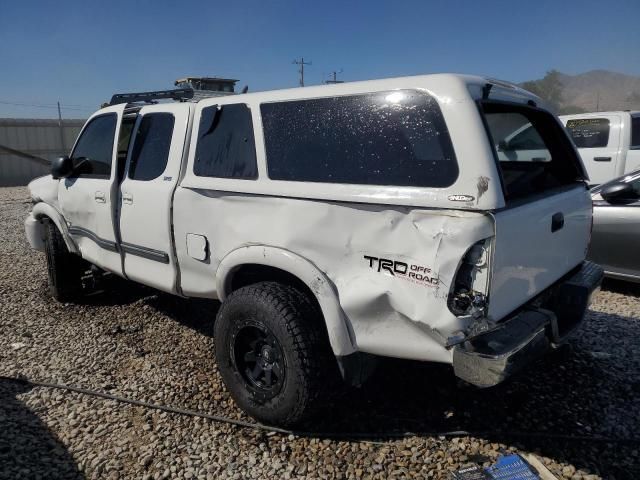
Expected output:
(179, 94)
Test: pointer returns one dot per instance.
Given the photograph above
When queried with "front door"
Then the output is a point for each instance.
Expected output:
(146, 194)
(87, 199)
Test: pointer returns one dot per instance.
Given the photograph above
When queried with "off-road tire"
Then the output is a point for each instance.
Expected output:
(65, 269)
(310, 367)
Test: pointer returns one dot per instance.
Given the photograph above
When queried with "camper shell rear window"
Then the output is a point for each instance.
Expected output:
(533, 152)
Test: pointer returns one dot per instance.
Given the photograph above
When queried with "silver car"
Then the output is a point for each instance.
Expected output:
(616, 227)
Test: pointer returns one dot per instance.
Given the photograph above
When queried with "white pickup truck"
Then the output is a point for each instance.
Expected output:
(336, 224)
(608, 142)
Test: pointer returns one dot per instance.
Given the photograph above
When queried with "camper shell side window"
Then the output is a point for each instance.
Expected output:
(396, 138)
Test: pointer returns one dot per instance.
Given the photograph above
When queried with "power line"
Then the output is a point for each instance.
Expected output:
(54, 106)
(302, 63)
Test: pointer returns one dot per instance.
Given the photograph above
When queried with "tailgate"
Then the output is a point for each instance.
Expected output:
(543, 232)
(536, 244)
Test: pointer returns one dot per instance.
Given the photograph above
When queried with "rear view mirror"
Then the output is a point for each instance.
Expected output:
(619, 192)
(61, 167)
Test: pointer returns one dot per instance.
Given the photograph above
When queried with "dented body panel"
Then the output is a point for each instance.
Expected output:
(391, 268)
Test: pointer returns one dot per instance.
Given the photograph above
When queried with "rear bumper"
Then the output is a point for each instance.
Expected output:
(490, 358)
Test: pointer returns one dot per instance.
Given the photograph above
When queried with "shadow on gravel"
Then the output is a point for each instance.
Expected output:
(28, 449)
(114, 290)
(568, 393)
(194, 313)
(619, 286)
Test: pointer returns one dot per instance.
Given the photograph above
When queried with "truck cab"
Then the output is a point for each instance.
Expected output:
(608, 142)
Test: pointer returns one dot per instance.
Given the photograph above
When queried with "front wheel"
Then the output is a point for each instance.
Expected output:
(64, 268)
(273, 353)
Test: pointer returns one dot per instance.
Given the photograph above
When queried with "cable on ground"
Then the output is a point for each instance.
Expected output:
(361, 436)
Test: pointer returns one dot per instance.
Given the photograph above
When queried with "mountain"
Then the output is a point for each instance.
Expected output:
(597, 90)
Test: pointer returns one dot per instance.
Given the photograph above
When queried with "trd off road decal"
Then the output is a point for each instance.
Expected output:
(418, 274)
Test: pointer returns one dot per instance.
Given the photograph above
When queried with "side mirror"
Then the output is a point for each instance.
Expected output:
(619, 192)
(61, 167)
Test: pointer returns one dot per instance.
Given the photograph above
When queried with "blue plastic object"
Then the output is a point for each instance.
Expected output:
(511, 467)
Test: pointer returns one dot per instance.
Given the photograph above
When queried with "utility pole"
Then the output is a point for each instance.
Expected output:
(598, 101)
(334, 79)
(302, 63)
(62, 147)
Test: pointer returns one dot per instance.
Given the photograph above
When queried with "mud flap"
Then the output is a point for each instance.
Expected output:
(571, 298)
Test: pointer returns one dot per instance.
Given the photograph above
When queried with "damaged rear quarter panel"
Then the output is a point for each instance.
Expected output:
(389, 311)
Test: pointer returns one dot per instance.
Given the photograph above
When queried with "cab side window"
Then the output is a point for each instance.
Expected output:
(93, 153)
(151, 146)
(226, 148)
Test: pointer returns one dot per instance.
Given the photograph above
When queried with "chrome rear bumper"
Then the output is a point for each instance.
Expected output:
(489, 358)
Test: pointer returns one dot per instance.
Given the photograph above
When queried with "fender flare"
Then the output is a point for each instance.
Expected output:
(41, 210)
(340, 336)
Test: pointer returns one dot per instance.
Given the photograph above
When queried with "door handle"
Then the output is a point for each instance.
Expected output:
(100, 197)
(601, 159)
(557, 221)
(127, 198)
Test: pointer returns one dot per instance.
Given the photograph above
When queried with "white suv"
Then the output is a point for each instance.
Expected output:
(336, 224)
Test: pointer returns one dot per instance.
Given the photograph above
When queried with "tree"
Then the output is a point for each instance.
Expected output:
(549, 88)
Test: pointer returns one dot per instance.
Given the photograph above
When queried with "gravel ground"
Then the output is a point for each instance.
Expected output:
(135, 342)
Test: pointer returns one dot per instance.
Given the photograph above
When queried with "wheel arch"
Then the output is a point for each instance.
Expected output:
(272, 263)
(43, 211)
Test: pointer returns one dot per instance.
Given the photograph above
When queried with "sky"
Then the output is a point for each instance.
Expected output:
(80, 53)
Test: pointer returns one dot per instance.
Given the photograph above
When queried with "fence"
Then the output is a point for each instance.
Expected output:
(27, 145)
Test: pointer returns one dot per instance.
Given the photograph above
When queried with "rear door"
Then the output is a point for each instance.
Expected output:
(543, 232)
(598, 141)
(146, 194)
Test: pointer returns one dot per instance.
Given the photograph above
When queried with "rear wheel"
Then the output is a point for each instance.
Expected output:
(65, 269)
(273, 353)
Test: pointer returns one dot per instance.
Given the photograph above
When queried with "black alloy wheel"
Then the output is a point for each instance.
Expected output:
(259, 359)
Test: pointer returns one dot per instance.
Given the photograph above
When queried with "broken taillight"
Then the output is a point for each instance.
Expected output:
(469, 293)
